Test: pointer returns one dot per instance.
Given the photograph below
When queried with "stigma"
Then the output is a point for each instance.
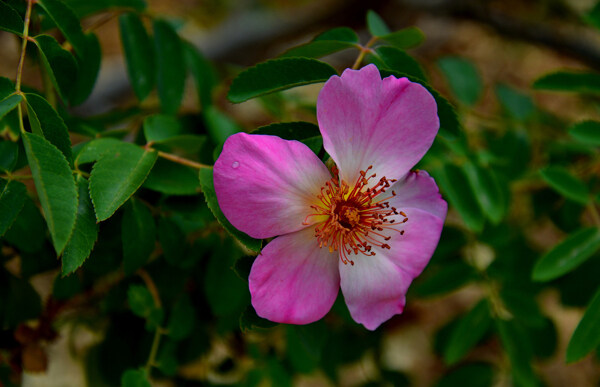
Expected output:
(357, 216)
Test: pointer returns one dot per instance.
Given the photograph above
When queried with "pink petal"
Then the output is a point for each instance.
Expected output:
(365, 121)
(265, 185)
(418, 190)
(375, 287)
(293, 280)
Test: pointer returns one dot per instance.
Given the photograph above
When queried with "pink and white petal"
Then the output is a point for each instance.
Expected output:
(418, 190)
(375, 287)
(365, 120)
(294, 281)
(265, 185)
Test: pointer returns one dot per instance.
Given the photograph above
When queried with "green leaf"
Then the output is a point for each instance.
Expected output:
(376, 25)
(20, 301)
(456, 188)
(67, 23)
(449, 123)
(138, 235)
(304, 132)
(206, 182)
(203, 72)
(444, 278)
(579, 82)
(88, 64)
(170, 65)
(518, 349)
(468, 375)
(249, 321)
(10, 20)
(12, 199)
(225, 292)
(519, 105)
(45, 120)
(587, 334)
(9, 103)
(405, 38)
(173, 179)
(83, 8)
(276, 75)
(27, 232)
(172, 240)
(139, 54)
(317, 49)
(523, 306)
(160, 127)
(566, 184)
(189, 145)
(468, 332)
(305, 345)
(567, 255)
(398, 60)
(219, 125)
(85, 233)
(592, 17)
(328, 42)
(95, 149)
(135, 378)
(140, 300)
(182, 319)
(58, 63)
(463, 79)
(490, 195)
(587, 132)
(9, 155)
(65, 288)
(55, 187)
(341, 34)
(117, 176)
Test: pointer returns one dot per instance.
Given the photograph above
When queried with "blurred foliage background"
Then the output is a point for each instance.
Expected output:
(511, 296)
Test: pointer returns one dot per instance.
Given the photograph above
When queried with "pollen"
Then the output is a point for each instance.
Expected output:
(358, 216)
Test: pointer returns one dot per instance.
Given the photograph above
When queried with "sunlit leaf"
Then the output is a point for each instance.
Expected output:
(139, 54)
(117, 175)
(12, 199)
(170, 66)
(463, 79)
(587, 132)
(138, 235)
(579, 82)
(208, 188)
(276, 75)
(85, 233)
(10, 20)
(587, 334)
(567, 255)
(566, 184)
(45, 120)
(55, 186)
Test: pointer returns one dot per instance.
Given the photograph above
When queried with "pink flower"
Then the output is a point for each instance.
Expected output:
(371, 228)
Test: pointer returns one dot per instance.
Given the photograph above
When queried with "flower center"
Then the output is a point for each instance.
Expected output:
(357, 217)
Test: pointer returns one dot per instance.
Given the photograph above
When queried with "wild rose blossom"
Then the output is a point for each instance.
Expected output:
(369, 226)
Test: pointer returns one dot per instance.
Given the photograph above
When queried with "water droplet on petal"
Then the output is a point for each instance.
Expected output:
(235, 164)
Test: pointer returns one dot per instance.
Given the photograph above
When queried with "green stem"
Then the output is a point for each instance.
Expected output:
(363, 51)
(177, 159)
(153, 350)
(594, 212)
(22, 61)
